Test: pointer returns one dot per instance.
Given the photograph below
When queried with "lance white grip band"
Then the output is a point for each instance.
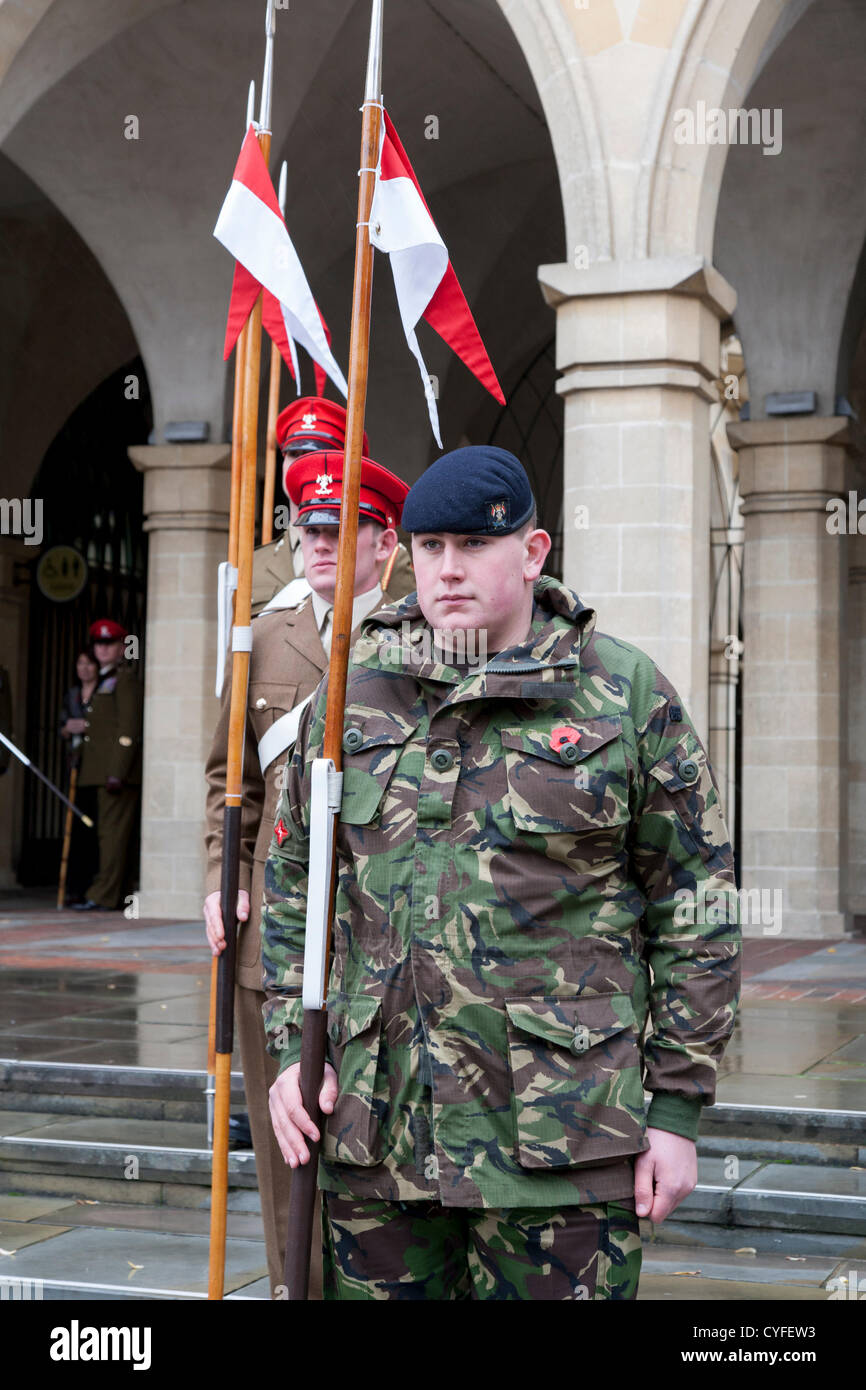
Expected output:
(242, 639)
(326, 793)
(227, 583)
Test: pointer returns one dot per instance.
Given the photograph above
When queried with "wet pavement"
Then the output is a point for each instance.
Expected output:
(105, 989)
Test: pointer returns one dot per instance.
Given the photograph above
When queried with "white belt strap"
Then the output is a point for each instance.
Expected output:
(281, 735)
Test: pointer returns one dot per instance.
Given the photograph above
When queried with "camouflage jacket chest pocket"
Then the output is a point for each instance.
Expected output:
(568, 777)
(373, 745)
(577, 1092)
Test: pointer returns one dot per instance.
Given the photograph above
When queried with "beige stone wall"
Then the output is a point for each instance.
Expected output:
(794, 753)
(186, 495)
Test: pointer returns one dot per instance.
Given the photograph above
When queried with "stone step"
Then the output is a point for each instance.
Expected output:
(94, 1089)
(809, 1123)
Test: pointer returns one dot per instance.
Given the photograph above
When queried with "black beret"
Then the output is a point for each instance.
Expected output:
(479, 490)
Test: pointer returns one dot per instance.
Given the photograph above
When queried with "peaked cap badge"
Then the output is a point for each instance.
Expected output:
(324, 483)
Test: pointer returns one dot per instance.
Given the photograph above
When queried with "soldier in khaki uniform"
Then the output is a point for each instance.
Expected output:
(309, 425)
(111, 761)
(291, 646)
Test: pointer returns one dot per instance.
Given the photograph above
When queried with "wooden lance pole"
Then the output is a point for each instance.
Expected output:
(303, 1193)
(241, 649)
(273, 411)
(67, 838)
(234, 513)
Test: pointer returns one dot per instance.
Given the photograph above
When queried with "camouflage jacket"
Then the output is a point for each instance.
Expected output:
(510, 965)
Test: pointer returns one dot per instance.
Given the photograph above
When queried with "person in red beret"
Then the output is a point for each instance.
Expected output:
(111, 762)
(291, 646)
(312, 424)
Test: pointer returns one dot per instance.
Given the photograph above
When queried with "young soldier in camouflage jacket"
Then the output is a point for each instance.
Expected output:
(512, 837)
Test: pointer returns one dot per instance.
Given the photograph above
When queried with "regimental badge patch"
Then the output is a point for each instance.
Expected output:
(324, 483)
(280, 831)
(308, 421)
(497, 513)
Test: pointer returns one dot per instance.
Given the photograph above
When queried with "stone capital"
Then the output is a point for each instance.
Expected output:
(650, 324)
(186, 486)
(790, 463)
(690, 276)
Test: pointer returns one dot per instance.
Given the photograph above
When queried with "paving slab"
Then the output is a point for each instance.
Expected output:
(109, 1257)
(722, 1175)
(808, 1180)
(854, 1051)
(19, 1121)
(811, 1270)
(16, 1207)
(812, 1092)
(167, 1220)
(190, 1056)
(181, 1008)
(845, 963)
(17, 1235)
(94, 1029)
(698, 1290)
(131, 1133)
(767, 1240)
(47, 1049)
(144, 985)
(260, 1289)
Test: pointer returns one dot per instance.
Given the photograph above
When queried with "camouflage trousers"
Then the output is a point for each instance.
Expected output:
(422, 1250)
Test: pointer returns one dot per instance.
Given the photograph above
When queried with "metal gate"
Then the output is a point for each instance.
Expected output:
(92, 501)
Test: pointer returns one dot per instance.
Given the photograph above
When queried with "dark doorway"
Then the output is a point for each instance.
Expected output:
(92, 501)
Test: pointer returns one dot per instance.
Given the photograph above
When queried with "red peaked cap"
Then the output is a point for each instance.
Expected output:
(106, 630)
(315, 483)
(312, 423)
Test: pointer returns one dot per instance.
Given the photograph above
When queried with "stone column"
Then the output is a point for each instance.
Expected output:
(186, 505)
(638, 343)
(14, 607)
(856, 892)
(793, 746)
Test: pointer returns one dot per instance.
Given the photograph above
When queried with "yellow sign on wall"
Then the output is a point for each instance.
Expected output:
(61, 573)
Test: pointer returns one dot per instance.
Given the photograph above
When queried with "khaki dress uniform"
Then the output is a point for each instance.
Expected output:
(111, 747)
(287, 663)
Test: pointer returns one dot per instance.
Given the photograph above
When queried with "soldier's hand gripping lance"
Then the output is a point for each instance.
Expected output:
(326, 771)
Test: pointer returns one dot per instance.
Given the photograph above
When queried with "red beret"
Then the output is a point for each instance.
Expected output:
(312, 423)
(315, 481)
(106, 630)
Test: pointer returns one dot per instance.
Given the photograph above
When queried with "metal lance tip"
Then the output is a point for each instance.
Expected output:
(281, 196)
(251, 106)
(268, 73)
(373, 89)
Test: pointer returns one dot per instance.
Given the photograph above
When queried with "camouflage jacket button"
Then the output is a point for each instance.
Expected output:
(568, 753)
(580, 1041)
(352, 740)
(442, 760)
(688, 770)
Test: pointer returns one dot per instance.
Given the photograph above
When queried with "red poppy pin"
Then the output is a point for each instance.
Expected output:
(562, 735)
